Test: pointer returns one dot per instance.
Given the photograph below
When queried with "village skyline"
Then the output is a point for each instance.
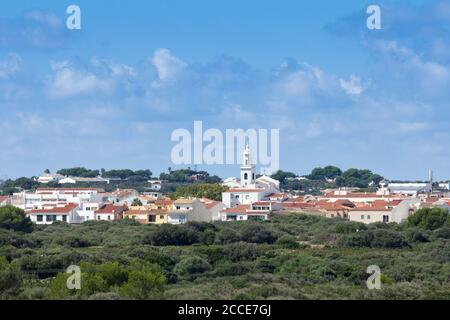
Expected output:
(338, 91)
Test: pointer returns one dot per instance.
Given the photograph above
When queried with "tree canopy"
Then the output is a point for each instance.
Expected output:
(14, 218)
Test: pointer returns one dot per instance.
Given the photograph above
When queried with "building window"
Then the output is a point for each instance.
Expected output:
(48, 218)
(368, 217)
(245, 176)
(109, 217)
(40, 218)
(98, 217)
(362, 217)
(178, 207)
(64, 218)
(385, 219)
(161, 216)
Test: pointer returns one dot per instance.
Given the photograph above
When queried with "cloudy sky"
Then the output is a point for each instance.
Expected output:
(110, 95)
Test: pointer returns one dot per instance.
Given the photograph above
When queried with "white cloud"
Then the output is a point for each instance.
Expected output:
(430, 77)
(167, 65)
(10, 66)
(67, 81)
(353, 86)
(100, 76)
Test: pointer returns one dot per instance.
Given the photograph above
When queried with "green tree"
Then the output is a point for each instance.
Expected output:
(10, 278)
(200, 190)
(79, 172)
(429, 218)
(14, 218)
(329, 172)
(257, 233)
(192, 265)
(281, 176)
(145, 281)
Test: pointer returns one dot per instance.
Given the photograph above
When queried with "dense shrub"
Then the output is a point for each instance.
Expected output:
(257, 233)
(192, 265)
(379, 238)
(350, 227)
(288, 242)
(14, 218)
(430, 218)
(242, 251)
(227, 235)
(10, 278)
(172, 235)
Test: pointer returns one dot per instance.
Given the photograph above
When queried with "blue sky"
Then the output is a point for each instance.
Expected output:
(110, 95)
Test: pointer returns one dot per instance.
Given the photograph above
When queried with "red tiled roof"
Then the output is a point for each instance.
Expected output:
(378, 205)
(3, 198)
(361, 195)
(56, 210)
(262, 203)
(242, 208)
(109, 208)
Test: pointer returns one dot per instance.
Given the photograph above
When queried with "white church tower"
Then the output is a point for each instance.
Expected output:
(248, 175)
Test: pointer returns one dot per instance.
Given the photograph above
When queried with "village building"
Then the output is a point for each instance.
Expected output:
(248, 188)
(66, 213)
(109, 212)
(186, 210)
(147, 216)
(4, 200)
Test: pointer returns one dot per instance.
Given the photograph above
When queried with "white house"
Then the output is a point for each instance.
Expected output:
(109, 212)
(86, 210)
(155, 185)
(50, 177)
(214, 207)
(45, 197)
(74, 180)
(67, 213)
(186, 210)
(260, 211)
(384, 211)
(123, 196)
(409, 188)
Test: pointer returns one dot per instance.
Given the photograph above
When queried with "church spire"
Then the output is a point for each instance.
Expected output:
(247, 169)
(247, 157)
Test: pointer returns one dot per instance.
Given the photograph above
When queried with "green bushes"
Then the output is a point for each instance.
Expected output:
(13, 218)
(291, 257)
(10, 278)
(228, 235)
(192, 266)
(288, 242)
(242, 251)
(257, 233)
(171, 235)
(379, 238)
(138, 280)
(430, 218)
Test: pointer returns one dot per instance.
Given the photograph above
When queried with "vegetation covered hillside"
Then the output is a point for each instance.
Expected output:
(291, 257)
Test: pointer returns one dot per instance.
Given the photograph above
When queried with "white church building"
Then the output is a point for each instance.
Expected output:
(248, 189)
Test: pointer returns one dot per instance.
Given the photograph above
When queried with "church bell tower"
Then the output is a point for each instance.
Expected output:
(247, 170)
